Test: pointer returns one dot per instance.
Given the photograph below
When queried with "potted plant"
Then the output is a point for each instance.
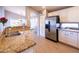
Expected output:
(3, 20)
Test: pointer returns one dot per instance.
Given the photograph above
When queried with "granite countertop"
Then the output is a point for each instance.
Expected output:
(16, 43)
(1, 33)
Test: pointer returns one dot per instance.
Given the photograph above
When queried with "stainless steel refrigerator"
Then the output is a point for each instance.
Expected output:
(51, 28)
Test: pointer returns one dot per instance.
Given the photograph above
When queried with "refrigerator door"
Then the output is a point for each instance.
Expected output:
(47, 28)
(51, 31)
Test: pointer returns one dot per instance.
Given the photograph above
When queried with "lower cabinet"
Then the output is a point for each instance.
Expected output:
(61, 36)
(69, 37)
(78, 41)
(73, 38)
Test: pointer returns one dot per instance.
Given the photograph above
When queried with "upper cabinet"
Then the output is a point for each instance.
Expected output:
(2, 12)
(67, 15)
(63, 15)
(73, 15)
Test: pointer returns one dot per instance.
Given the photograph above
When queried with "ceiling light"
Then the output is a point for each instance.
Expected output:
(43, 7)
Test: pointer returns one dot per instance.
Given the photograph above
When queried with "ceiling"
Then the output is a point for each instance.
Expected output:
(20, 10)
(49, 8)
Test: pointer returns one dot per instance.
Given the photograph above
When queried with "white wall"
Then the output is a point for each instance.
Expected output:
(42, 22)
(2, 14)
(13, 18)
(32, 14)
(42, 25)
(67, 15)
(20, 10)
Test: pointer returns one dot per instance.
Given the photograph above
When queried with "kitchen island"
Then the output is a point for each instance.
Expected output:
(14, 44)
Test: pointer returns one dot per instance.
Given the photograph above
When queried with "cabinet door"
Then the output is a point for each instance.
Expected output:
(67, 37)
(64, 16)
(73, 15)
(78, 41)
(71, 38)
(62, 37)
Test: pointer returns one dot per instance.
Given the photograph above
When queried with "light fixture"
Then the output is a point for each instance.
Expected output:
(43, 7)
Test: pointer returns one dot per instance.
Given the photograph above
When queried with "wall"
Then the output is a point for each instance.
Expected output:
(41, 19)
(9, 14)
(67, 15)
(12, 16)
(2, 14)
(42, 22)
(20, 10)
(30, 15)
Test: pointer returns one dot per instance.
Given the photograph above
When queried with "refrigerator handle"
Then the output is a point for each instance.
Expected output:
(49, 26)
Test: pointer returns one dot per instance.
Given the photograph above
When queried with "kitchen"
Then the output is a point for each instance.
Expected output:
(67, 36)
(68, 33)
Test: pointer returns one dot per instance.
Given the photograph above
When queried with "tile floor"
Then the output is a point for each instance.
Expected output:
(46, 46)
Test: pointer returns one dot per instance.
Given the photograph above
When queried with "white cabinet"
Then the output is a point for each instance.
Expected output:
(68, 37)
(73, 16)
(78, 41)
(72, 38)
(62, 37)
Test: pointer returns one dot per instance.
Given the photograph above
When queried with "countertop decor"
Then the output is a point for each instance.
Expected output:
(3, 20)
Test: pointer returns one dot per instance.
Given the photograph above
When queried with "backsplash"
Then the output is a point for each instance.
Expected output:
(69, 25)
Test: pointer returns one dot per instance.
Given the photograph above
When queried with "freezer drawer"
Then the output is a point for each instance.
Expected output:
(51, 35)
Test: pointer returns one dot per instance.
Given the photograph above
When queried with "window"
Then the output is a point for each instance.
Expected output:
(12, 22)
(69, 25)
(33, 22)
